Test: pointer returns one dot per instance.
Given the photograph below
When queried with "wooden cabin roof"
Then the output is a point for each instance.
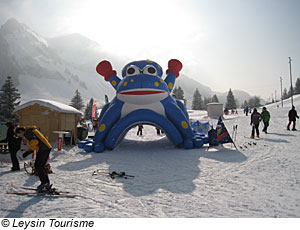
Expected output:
(54, 105)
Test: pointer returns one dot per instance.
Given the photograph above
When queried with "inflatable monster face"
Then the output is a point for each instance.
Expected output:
(142, 83)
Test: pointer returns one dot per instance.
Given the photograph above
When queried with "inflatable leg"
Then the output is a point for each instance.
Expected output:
(109, 118)
(178, 118)
(105, 107)
(183, 109)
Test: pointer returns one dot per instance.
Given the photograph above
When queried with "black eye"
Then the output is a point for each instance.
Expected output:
(132, 70)
(149, 69)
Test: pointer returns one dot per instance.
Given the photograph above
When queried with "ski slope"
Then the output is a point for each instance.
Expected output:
(262, 180)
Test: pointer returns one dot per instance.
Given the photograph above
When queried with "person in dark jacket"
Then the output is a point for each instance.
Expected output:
(140, 130)
(292, 118)
(37, 141)
(265, 116)
(14, 144)
(255, 120)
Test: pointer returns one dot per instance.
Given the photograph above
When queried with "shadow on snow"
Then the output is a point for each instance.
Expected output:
(155, 165)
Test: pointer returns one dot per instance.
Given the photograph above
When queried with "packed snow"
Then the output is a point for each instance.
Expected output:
(257, 180)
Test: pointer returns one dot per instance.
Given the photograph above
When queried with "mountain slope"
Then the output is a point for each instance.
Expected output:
(39, 71)
(54, 68)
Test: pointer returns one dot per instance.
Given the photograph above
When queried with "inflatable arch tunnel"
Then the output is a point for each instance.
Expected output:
(142, 97)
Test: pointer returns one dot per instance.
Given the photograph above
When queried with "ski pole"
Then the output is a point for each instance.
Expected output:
(235, 132)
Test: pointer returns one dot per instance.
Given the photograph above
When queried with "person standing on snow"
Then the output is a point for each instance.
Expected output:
(14, 144)
(255, 119)
(265, 116)
(37, 141)
(140, 130)
(292, 118)
(246, 110)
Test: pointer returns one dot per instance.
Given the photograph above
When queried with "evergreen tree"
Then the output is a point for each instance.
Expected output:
(205, 102)
(9, 97)
(175, 91)
(215, 98)
(297, 86)
(89, 110)
(254, 102)
(285, 94)
(77, 101)
(197, 102)
(291, 91)
(245, 105)
(230, 103)
(178, 92)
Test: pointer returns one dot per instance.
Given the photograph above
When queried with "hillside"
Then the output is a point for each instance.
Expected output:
(55, 67)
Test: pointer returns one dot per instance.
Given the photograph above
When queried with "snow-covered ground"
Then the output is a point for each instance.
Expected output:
(262, 180)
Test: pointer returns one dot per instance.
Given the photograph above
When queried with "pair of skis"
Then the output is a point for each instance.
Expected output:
(30, 191)
(113, 174)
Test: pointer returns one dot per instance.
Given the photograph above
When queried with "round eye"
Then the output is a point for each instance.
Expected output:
(149, 69)
(132, 70)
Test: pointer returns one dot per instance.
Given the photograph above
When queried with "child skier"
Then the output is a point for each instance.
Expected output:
(292, 118)
(37, 141)
(255, 119)
(265, 115)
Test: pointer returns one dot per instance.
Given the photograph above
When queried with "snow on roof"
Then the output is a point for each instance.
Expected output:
(214, 103)
(54, 105)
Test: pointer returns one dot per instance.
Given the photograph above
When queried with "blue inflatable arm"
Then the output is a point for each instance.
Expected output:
(170, 81)
(114, 81)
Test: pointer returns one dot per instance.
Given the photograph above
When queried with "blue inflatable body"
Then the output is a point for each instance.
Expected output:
(142, 97)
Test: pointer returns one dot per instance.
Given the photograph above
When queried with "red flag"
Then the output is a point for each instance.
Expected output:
(94, 111)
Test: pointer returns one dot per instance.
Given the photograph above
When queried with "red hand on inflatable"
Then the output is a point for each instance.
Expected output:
(174, 66)
(104, 68)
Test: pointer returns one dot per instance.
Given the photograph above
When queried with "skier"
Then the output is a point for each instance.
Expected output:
(157, 131)
(140, 130)
(37, 141)
(255, 119)
(265, 115)
(292, 118)
(14, 144)
(246, 110)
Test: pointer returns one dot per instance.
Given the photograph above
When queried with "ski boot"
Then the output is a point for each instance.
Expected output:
(43, 188)
(252, 137)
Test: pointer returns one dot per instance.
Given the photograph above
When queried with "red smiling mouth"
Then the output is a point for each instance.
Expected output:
(142, 92)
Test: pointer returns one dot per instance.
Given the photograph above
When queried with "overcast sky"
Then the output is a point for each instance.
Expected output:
(238, 44)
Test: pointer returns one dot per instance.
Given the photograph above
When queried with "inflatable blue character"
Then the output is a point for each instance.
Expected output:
(142, 97)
